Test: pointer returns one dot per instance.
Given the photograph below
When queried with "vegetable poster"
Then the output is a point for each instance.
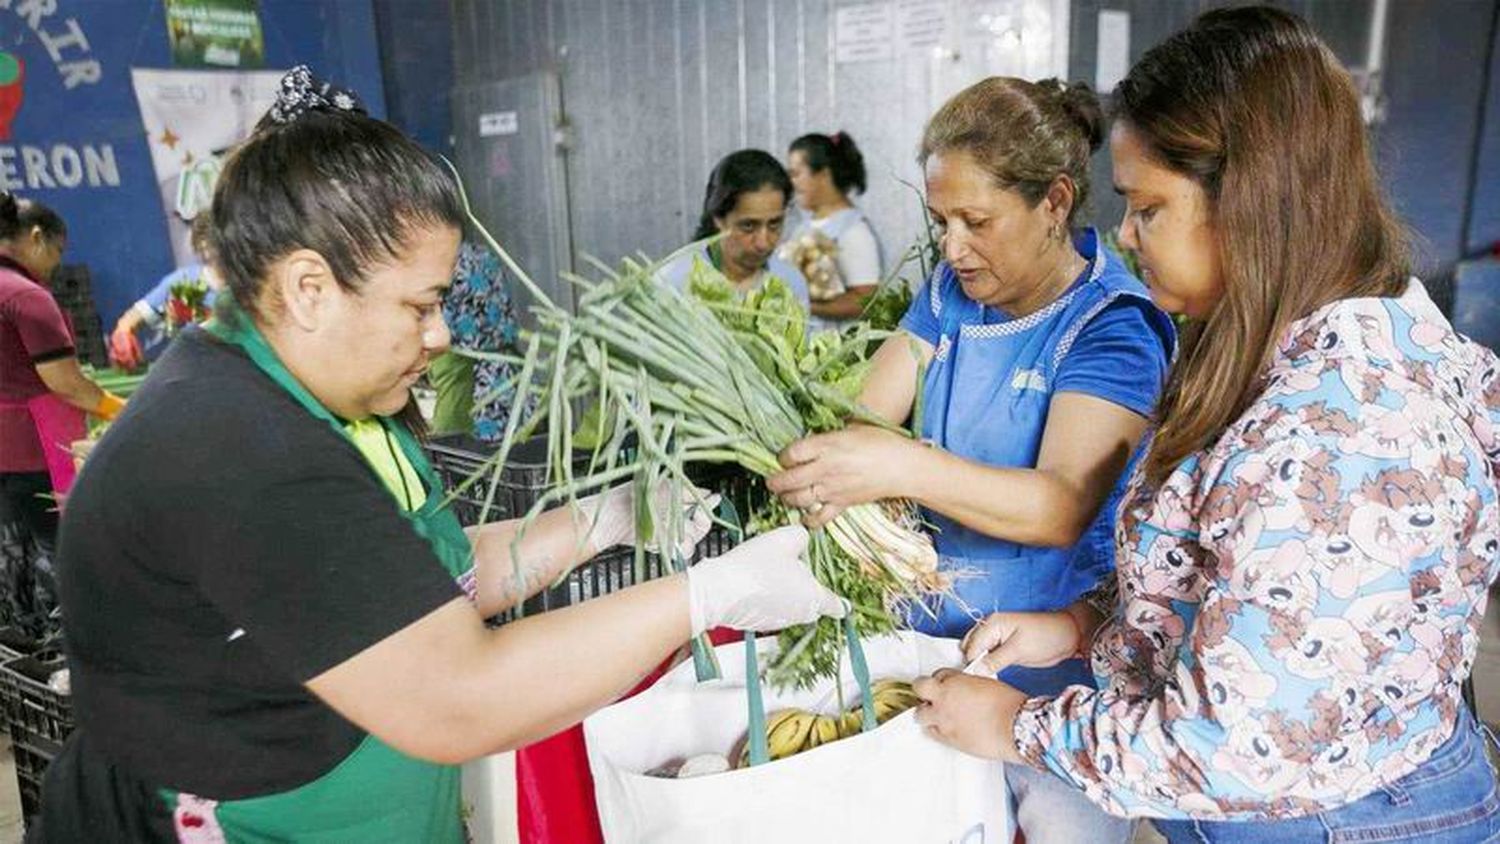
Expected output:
(192, 117)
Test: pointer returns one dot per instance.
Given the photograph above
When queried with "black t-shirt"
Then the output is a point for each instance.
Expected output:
(221, 547)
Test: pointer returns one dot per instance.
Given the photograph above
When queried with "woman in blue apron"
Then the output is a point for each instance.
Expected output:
(825, 171)
(745, 202)
(274, 625)
(1043, 359)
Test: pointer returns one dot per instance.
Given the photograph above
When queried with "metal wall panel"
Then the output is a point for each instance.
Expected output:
(514, 176)
(1428, 146)
(1484, 206)
(1343, 24)
(657, 91)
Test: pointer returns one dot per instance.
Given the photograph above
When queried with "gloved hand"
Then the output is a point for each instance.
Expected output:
(760, 585)
(613, 514)
(124, 349)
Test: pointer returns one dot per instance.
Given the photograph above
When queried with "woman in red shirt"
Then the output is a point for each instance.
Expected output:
(43, 391)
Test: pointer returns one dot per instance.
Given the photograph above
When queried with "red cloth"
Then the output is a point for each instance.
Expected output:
(32, 326)
(554, 790)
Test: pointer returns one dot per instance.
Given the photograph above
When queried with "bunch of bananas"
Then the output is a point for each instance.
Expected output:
(891, 698)
(791, 731)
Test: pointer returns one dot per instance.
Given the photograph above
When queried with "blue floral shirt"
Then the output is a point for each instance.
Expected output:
(480, 315)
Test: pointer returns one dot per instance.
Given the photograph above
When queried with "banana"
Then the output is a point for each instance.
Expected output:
(792, 731)
(889, 707)
(777, 718)
(790, 735)
(891, 698)
(774, 722)
(891, 687)
(851, 723)
(824, 730)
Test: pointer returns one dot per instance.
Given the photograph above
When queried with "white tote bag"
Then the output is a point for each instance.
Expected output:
(893, 783)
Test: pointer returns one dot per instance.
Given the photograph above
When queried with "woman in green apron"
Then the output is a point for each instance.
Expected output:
(275, 632)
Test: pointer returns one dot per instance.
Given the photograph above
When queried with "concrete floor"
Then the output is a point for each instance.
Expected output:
(1486, 681)
(10, 801)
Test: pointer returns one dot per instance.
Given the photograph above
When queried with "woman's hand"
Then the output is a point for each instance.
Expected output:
(124, 349)
(613, 512)
(974, 714)
(761, 584)
(1030, 639)
(827, 473)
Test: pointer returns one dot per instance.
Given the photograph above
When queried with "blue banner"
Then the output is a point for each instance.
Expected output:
(71, 133)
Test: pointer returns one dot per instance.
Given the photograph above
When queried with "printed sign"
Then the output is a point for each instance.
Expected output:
(864, 33)
(497, 123)
(192, 117)
(215, 33)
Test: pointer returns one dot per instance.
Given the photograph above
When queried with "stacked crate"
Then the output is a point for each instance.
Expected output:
(74, 294)
(38, 713)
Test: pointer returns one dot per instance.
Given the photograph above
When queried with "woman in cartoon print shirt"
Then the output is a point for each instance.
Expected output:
(1305, 552)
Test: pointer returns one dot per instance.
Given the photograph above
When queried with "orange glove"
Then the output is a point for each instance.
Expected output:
(125, 350)
(109, 406)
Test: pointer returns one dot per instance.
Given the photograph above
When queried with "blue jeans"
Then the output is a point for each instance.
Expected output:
(1051, 811)
(1450, 799)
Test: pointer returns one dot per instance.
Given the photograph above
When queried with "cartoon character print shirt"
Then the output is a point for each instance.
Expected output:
(1299, 603)
(480, 314)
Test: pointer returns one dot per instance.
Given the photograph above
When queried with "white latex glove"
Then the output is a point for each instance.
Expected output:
(613, 514)
(761, 585)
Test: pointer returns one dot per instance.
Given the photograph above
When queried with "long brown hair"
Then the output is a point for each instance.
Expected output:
(1025, 134)
(1254, 107)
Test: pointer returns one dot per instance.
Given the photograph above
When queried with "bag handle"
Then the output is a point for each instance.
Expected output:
(756, 748)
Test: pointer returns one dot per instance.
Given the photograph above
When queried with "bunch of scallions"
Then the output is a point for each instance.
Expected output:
(667, 371)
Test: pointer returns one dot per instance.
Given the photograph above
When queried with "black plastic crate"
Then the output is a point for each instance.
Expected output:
(31, 705)
(33, 753)
(522, 482)
(15, 643)
(71, 287)
(612, 571)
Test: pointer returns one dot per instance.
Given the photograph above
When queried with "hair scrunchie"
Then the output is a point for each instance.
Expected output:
(302, 92)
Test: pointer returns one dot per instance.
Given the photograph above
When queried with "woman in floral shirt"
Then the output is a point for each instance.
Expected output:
(474, 395)
(1304, 555)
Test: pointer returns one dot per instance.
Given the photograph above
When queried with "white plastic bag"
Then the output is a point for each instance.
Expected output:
(891, 784)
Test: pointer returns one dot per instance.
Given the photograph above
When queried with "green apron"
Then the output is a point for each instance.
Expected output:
(377, 793)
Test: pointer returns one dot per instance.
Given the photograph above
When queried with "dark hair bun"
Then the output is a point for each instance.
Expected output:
(1081, 104)
(10, 215)
(838, 154)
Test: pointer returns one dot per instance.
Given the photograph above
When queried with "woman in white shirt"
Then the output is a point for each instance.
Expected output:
(745, 203)
(836, 249)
